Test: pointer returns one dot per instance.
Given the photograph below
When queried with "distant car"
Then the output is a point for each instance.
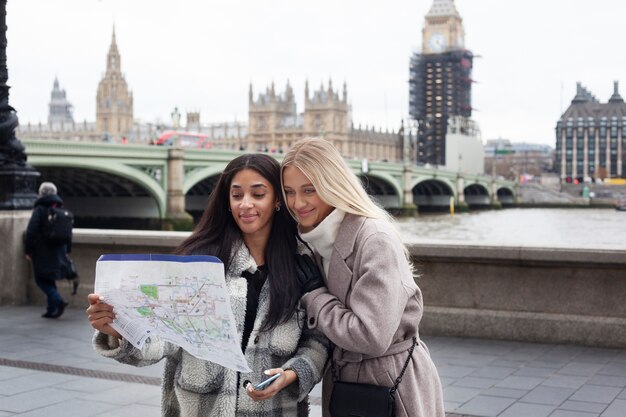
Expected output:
(185, 139)
(620, 204)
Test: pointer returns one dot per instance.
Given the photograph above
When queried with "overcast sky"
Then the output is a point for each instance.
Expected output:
(203, 54)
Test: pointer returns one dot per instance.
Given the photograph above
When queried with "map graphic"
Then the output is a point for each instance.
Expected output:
(181, 299)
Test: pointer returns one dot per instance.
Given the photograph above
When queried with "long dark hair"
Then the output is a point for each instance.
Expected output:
(217, 233)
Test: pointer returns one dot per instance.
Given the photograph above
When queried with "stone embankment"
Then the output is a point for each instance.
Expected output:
(538, 194)
(571, 195)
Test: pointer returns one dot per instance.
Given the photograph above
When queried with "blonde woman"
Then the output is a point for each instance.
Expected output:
(366, 301)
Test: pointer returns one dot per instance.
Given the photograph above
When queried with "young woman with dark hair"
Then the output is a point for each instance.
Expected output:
(246, 226)
(218, 232)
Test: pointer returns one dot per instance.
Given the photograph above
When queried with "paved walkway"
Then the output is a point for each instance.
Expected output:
(47, 368)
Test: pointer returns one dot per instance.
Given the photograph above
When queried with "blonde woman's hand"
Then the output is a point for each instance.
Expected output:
(308, 274)
(287, 378)
(100, 315)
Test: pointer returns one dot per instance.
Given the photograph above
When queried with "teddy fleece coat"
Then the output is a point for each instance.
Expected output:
(370, 310)
(194, 387)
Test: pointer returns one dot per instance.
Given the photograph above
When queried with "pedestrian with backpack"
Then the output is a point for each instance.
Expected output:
(48, 241)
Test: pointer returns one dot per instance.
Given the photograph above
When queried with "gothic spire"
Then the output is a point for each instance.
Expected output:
(113, 57)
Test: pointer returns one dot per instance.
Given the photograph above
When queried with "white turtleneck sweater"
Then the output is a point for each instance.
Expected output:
(322, 237)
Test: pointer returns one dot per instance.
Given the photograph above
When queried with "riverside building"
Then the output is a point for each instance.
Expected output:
(590, 138)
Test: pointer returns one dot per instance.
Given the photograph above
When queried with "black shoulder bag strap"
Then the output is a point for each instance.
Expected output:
(406, 364)
(335, 370)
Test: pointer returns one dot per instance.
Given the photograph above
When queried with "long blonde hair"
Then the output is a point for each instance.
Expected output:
(333, 180)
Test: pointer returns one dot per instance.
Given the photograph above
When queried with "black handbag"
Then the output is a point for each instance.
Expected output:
(70, 268)
(350, 399)
(71, 273)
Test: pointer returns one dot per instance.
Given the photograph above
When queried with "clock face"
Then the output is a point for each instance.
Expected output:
(437, 42)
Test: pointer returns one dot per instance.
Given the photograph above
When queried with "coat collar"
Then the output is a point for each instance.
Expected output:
(49, 200)
(346, 237)
(344, 246)
(241, 260)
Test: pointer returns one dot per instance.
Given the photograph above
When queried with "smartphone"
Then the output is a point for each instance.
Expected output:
(262, 385)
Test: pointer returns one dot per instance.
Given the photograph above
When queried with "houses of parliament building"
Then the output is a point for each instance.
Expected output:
(273, 121)
(274, 124)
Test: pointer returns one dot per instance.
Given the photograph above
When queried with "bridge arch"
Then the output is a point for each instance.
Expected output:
(432, 193)
(108, 186)
(506, 196)
(383, 188)
(477, 195)
(198, 186)
(198, 175)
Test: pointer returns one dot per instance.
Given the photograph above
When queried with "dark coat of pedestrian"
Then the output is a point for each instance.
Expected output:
(49, 260)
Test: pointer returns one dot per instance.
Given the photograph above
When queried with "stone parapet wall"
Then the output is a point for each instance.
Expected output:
(14, 269)
(527, 293)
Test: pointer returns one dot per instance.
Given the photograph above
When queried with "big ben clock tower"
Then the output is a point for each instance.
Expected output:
(443, 28)
(440, 89)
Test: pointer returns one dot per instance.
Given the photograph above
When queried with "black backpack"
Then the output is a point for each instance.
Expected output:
(57, 228)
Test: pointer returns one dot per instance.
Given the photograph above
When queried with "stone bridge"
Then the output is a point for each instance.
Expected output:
(153, 182)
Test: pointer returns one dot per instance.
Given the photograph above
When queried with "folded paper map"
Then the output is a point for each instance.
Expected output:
(180, 299)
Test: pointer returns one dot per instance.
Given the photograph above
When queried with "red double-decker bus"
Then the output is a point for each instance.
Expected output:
(185, 139)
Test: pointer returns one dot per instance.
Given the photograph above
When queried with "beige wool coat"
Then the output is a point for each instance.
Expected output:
(371, 309)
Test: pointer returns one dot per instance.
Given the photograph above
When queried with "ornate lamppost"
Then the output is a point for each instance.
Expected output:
(17, 177)
(18, 181)
(408, 209)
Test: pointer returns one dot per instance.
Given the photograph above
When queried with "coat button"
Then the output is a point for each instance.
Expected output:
(256, 340)
(311, 321)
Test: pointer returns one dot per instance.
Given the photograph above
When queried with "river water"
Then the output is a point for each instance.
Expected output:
(523, 226)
